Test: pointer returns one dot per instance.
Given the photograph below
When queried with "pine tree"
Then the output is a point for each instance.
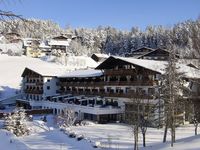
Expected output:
(172, 84)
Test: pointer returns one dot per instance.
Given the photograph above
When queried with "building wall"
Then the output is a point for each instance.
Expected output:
(49, 86)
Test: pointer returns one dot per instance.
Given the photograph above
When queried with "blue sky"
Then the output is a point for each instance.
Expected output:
(122, 14)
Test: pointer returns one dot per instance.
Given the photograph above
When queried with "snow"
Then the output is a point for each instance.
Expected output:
(159, 66)
(44, 45)
(101, 55)
(48, 70)
(12, 68)
(59, 42)
(46, 136)
(83, 73)
(14, 47)
(42, 137)
(80, 62)
(120, 137)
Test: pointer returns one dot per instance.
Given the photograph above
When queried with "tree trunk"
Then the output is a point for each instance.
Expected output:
(165, 132)
(172, 136)
(136, 138)
(144, 140)
(196, 127)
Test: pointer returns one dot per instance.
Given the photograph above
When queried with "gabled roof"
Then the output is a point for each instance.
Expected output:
(13, 33)
(157, 66)
(61, 37)
(146, 48)
(158, 49)
(46, 70)
(100, 55)
(140, 52)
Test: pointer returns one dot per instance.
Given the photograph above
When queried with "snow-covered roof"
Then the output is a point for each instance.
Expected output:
(48, 70)
(59, 42)
(101, 55)
(159, 66)
(27, 41)
(80, 62)
(83, 73)
(44, 45)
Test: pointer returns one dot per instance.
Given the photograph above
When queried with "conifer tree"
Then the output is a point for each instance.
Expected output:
(171, 91)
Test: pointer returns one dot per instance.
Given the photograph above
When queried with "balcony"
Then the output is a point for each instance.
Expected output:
(108, 94)
(33, 91)
(110, 83)
(83, 84)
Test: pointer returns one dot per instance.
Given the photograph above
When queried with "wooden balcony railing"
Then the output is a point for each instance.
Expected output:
(107, 94)
(31, 91)
(110, 83)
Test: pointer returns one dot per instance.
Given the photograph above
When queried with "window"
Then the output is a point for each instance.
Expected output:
(48, 80)
(48, 87)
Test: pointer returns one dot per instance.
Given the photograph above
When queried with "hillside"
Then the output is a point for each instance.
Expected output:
(11, 68)
(184, 37)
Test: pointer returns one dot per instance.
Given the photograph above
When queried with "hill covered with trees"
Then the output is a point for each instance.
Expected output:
(184, 36)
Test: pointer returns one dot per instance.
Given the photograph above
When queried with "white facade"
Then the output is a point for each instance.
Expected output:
(49, 86)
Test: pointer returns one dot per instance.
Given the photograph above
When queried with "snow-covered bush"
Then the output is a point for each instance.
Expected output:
(67, 118)
(72, 135)
(15, 123)
(80, 137)
(87, 123)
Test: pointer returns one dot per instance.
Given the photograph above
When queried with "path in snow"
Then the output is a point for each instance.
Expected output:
(54, 140)
(10, 142)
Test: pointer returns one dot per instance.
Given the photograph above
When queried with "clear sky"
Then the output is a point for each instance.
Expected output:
(122, 14)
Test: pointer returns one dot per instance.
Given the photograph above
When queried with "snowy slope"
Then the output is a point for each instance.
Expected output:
(11, 68)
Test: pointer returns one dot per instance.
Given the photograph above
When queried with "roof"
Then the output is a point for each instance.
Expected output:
(158, 49)
(101, 55)
(157, 66)
(51, 69)
(61, 37)
(56, 42)
(146, 48)
(44, 45)
(13, 33)
(47, 70)
(82, 73)
(27, 41)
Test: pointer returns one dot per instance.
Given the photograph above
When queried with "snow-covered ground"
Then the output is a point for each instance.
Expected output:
(11, 68)
(46, 136)
(119, 136)
(43, 137)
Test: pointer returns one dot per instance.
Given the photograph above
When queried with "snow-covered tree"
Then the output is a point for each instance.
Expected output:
(139, 114)
(171, 92)
(16, 122)
(67, 118)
